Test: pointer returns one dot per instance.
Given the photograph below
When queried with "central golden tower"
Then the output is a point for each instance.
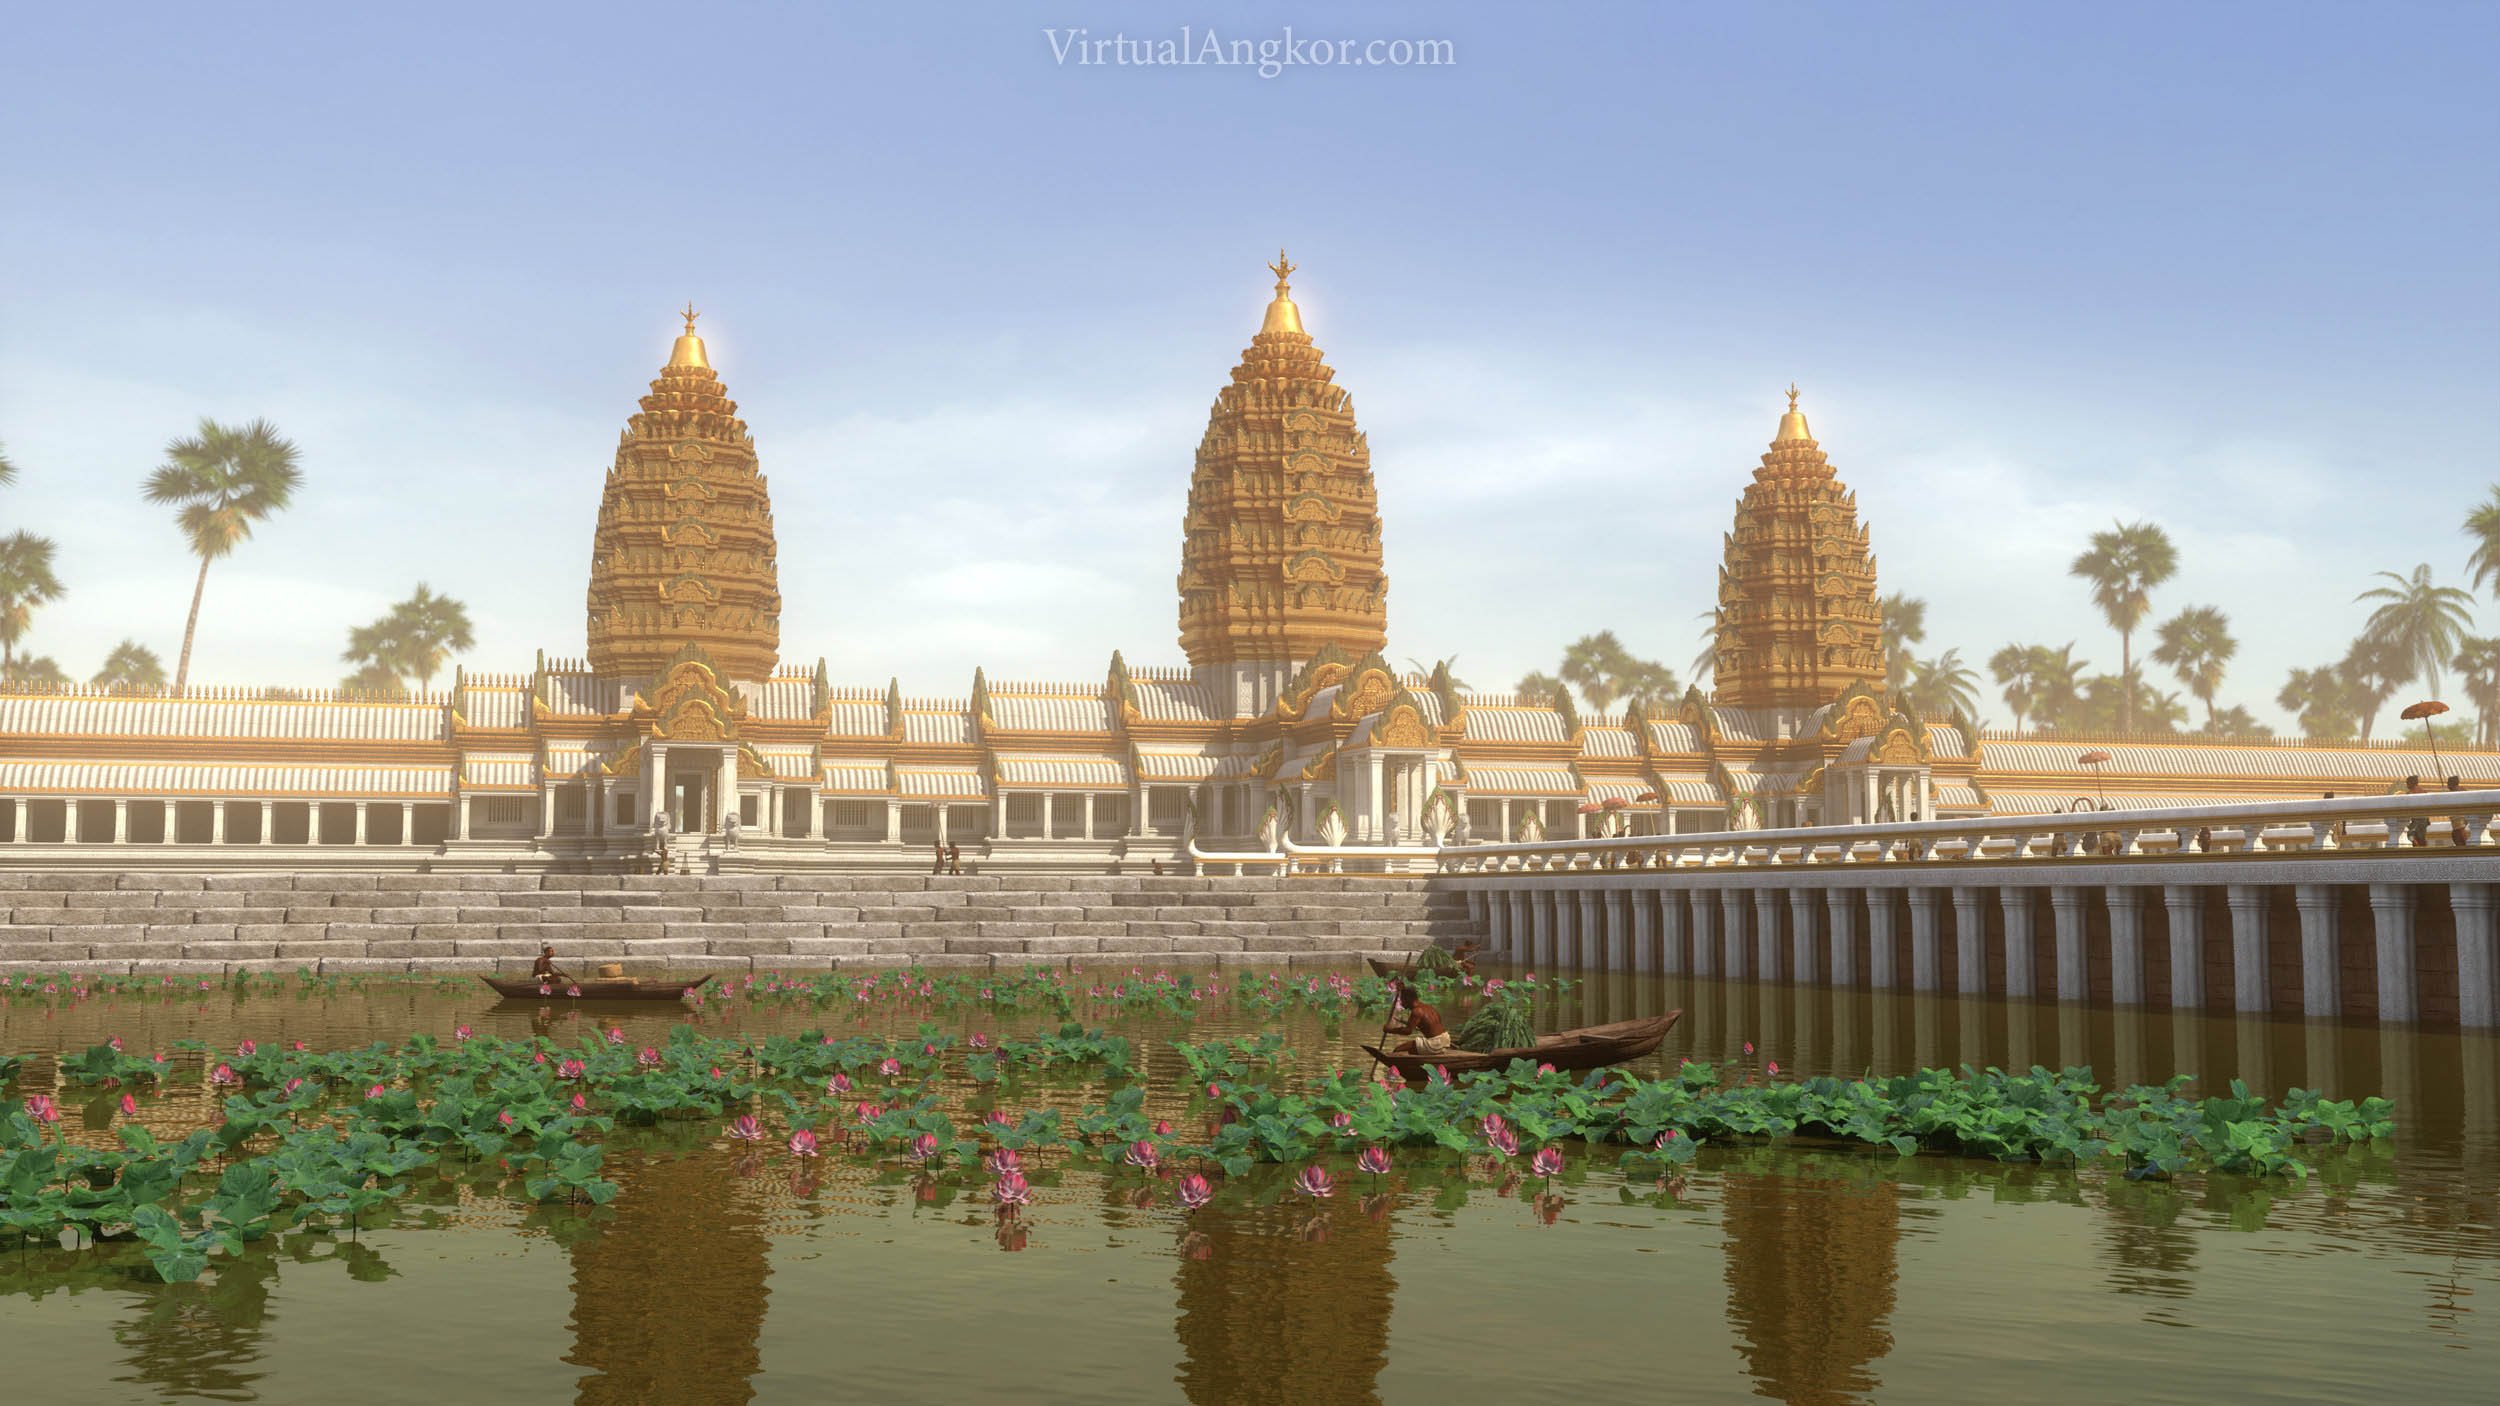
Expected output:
(1281, 546)
(684, 554)
(1798, 623)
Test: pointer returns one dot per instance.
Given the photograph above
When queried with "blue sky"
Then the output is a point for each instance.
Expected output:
(2231, 268)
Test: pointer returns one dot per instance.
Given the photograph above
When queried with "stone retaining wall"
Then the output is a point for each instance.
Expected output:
(392, 922)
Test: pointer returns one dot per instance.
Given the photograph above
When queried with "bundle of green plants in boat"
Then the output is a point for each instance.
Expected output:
(1502, 1022)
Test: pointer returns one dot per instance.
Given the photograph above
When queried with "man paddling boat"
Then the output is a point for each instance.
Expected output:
(1422, 1021)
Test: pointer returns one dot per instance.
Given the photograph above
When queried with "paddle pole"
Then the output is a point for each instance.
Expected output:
(1383, 1038)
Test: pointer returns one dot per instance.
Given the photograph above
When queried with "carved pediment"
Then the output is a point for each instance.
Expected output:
(690, 704)
(1403, 726)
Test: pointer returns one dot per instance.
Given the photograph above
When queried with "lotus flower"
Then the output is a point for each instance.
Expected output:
(716, 1074)
(615, 1036)
(581, 1103)
(377, 1091)
(299, 1047)
(42, 1109)
(1548, 1162)
(545, 990)
(1664, 1138)
(803, 1143)
(839, 1086)
(870, 1112)
(1011, 1189)
(572, 991)
(461, 1032)
(1503, 1141)
(116, 1043)
(504, 1117)
(570, 1069)
(1494, 1124)
(1214, 1091)
(1749, 1047)
(998, 1118)
(1341, 1119)
(292, 1085)
(1141, 1153)
(130, 1106)
(539, 1058)
(1314, 1181)
(1002, 1160)
(247, 1049)
(1193, 1192)
(923, 1147)
(648, 1057)
(224, 1075)
(1373, 1162)
(1772, 1069)
(1543, 1068)
(890, 1067)
(978, 1041)
(745, 1129)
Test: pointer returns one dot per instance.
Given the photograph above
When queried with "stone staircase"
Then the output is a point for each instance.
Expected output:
(387, 922)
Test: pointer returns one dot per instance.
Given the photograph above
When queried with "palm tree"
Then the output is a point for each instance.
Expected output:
(2196, 644)
(33, 671)
(2478, 670)
(8, 471)
(26, 581)
(2058, 685)
(1905, 624)
(2234, 721)
(429, 629)
(2483, 525)
(2373, 669)
(1592, 664)
(129, 667)
(2421, 622)
(1538, 689)
(1942, 686)
(2017, 668)
(374, 680)
(2324, 699)
(2124, 564)
(1706, 663)
(224, 480)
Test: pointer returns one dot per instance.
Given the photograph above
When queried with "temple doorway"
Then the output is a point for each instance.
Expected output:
(689, 810)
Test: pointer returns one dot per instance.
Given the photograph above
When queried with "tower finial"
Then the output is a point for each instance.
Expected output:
(1792, 424)
(690, 315)
(1282, 315)
(1792, 396)
(1283, 269)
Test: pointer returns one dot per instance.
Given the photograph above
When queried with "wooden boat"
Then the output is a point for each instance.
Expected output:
(1590, 1047)
(1391, 971)
(530, 988)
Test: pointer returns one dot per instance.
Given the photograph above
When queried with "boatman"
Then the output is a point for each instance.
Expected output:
(1421, 1021)
(545, 968)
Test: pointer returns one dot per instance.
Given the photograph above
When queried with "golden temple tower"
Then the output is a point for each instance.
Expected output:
(683, 554)
(1798, 622)
(1281, 552)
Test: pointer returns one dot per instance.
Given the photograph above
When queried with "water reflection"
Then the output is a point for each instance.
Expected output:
(203, 1339)
(669, 1292)
(1811, 1265)
(1283, 1305)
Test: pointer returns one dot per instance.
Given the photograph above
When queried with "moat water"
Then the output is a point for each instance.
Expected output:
(1797, 1273)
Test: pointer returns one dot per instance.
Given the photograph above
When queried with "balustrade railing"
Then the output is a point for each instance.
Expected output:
(2457, 821)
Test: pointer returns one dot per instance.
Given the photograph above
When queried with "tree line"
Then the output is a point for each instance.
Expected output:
(221, 481)
(2419, 633)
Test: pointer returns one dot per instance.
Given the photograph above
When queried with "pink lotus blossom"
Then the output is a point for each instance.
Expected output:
(1141, 1153)
(42, 1109)
(1503, 1141)
(745, 1129)
(572, 991)
(247, 1049)
(1314, 1181)
(1213, 1091)
(292, 1085)
(1548, 1162)
(504, 1117)
(224, 1075)
(116, 1043)
(1664, 1138)
(1011, 1189)
(1163, 1127)
(1543, 1068)
(717, 1074)
(648, 1057)
(539, 1058)
(839, 1086)
(1772, 1069)
(1341, 1119)
(130, 1106)
(890, 1067)
(802, 1143)
(922, 1147)
(1749, 1047)
(570, 1069)
(870, 1112)
(615, 1036)
(1373, 1162)
(1494, 1123)
(299, 1047)
(377, 1091)
(545, 990)
(1002, 1160)
(581, 1103)
(461, 1032)
(978, 1041)
(1193, 1192)
(999, 1118)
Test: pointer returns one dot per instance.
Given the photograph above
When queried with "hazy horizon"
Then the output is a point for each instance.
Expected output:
(2033, 273)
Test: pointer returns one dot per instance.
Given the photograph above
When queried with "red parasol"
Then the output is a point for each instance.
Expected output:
(2423, 712)
(2095, 759)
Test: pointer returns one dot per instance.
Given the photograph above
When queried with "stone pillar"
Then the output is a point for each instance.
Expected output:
(1926, 943)
(2478, 980)
(1587, 948)
(1840, 911)
(1705, 932)
(1645, 953)
(360, 820)
(2020, 963)
(1674, 932)
(1732, 907)
(1374, 815)
(1089, 817)
(459, 818)
(169, 814)
(1541, 949)
(2186, 903)
(1493, 910)
(121, 822)
(2391, 922)
(1522, 926)
(1926, 795)
(268, 823)
(1803, 966)
(2252, 984)
(217, 824)
(2074, 980)
(1618, 930)
(1970, 937)
(1766, 934)
(18, 834)
(1883, 936)
(2126, 945)
(1049, 828)
(2321, 983)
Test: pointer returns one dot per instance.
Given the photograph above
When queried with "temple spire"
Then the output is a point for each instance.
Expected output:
(1282, 315)
(1793, 424)
(689, 348)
